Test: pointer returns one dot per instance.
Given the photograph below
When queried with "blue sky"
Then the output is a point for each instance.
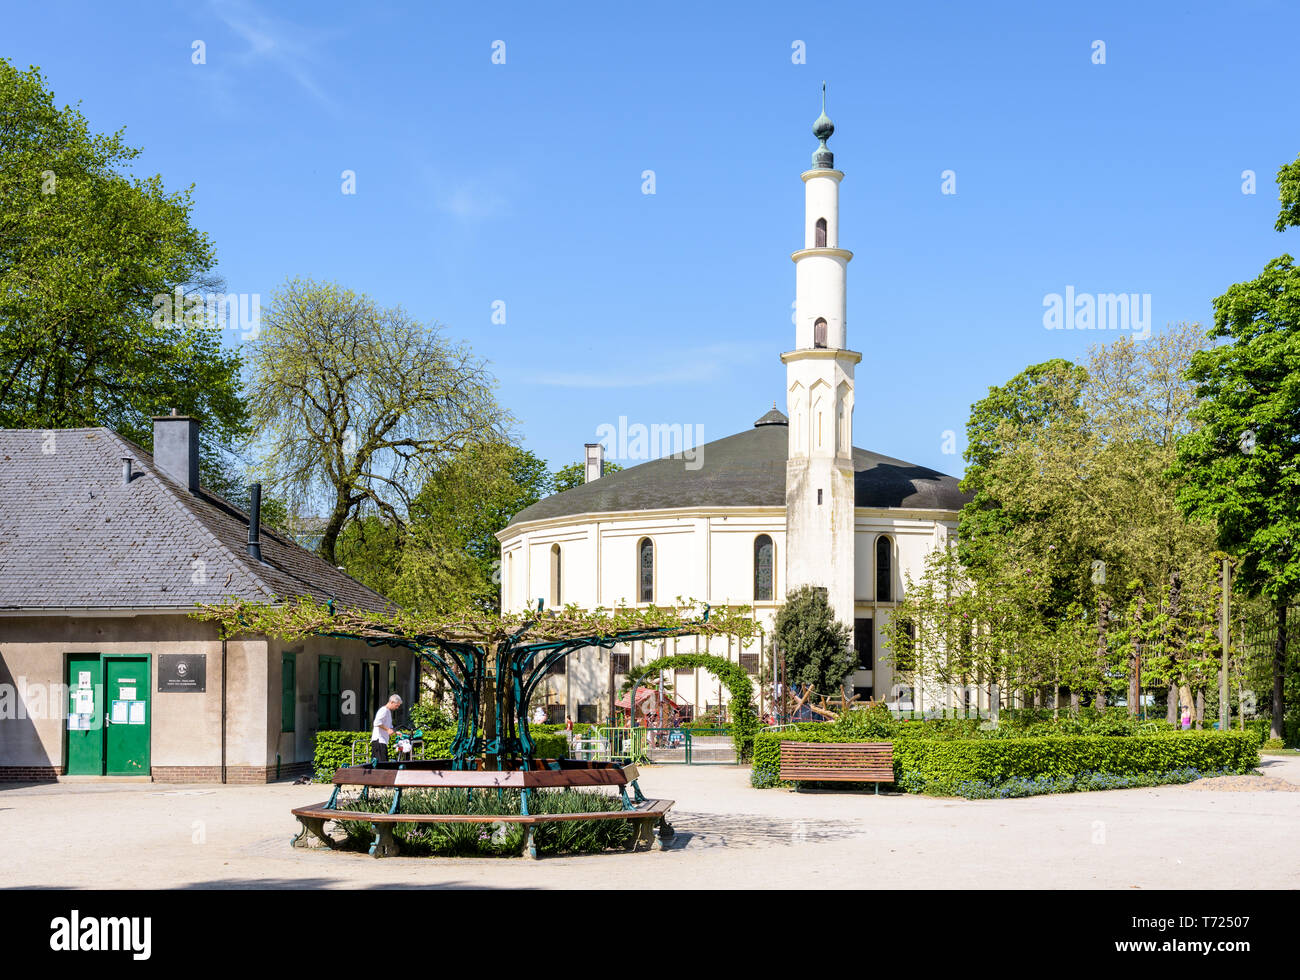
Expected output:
(521, 182)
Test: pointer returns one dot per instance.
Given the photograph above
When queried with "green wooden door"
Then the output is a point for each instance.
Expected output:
(126, 733)
(85, 728)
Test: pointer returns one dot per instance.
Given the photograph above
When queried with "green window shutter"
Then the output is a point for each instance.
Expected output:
(336, 692)
(288, 691)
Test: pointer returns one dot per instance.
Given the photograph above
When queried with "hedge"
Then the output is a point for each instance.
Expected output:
(334, 749)
(941, 765)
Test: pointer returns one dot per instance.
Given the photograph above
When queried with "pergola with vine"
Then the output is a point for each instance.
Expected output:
(491, 663)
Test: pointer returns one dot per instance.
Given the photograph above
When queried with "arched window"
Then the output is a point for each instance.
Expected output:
(645, 571)
(555, 576)
(884, 569)
(764, 568)
(820, 239)
(819, 332)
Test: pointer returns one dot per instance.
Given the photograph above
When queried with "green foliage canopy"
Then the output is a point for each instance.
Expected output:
(86, 252)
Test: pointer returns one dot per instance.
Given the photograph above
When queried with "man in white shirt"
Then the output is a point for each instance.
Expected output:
(383, 728)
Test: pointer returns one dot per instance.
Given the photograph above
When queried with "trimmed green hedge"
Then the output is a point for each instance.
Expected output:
(940, 765)
(334, 749)
(924, 766)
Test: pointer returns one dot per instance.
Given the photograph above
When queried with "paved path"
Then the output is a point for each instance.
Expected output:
(729, 836)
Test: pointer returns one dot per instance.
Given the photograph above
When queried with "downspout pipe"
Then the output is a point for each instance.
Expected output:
(223, 711)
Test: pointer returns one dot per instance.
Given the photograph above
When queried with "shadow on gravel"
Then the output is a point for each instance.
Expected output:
(704, 830)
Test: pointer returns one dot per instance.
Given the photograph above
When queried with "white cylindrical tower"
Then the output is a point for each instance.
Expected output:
(819, 483)
(821, 266)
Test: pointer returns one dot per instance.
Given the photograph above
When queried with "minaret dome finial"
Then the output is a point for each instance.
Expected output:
(823, 128)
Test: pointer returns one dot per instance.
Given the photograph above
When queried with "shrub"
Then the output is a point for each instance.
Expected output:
(1082, 783)
(923, 765)
(579, 728)
(431, 717)
(941, 764)
(334, 750)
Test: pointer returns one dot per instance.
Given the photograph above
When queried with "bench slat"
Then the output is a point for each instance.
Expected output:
(864, 762)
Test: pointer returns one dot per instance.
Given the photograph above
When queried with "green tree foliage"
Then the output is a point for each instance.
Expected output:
(818, 648)
(1241, 468)
(575, 475)
(86, 252)
(446, 555)
(1075, 521)
(358, 405)
(1288, 184)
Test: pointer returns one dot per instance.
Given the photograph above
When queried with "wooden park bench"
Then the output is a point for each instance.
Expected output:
(850, 762)
(645, 813)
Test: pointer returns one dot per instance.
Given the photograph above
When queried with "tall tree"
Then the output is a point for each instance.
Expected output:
(451, 556)
(86, 254)
(356, 406)
(818, 648)
(1242, 467)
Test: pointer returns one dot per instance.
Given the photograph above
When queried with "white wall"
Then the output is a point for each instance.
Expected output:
(702, 555)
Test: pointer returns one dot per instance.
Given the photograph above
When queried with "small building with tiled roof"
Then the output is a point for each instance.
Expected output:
(105, 551)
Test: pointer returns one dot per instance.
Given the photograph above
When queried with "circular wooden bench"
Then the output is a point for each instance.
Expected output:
(437, 774)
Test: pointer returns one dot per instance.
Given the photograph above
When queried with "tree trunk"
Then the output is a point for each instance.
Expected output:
(330, 535)
(1174, 645)
(1103, 611)
(1279, 671)
(1074, 701)
(995, 701)
(1200, 707)
(1135, 660)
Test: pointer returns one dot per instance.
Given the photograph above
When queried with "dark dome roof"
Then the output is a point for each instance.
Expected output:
(744, 470)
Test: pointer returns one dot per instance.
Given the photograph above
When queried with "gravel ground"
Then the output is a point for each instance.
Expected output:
(729, 835)
(1253, 783)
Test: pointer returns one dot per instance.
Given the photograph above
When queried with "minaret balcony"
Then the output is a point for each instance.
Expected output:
(838, 253)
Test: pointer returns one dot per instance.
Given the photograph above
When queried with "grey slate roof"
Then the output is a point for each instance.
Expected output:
(745, 470)
(72, 535)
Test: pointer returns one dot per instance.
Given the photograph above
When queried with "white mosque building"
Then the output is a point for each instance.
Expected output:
(747, 518)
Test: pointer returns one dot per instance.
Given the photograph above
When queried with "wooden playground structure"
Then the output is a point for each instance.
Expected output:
(827, 706)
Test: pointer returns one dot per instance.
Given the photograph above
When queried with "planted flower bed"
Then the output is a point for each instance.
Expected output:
(504, 839)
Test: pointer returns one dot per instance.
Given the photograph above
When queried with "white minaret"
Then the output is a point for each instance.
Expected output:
(819, 396)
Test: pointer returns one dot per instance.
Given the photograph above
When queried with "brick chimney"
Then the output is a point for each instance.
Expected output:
(176, 448)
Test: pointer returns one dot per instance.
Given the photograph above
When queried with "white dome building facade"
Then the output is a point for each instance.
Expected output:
(747, 518)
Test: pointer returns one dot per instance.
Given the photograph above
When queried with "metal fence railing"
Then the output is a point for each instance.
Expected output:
(690, 746)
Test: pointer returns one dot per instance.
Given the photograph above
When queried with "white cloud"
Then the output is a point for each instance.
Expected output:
(271, 41)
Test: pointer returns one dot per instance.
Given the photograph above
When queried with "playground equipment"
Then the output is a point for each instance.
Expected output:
(823, 707)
